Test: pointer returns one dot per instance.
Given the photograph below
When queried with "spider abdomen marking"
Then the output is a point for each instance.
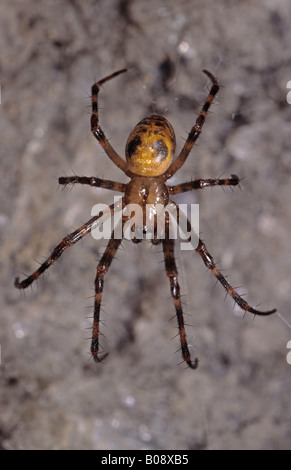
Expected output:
(150, 146)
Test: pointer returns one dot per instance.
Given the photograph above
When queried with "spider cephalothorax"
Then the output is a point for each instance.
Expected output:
(149, 164)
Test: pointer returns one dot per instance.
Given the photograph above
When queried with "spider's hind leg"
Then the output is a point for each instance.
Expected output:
(195, 131)
(96, 129)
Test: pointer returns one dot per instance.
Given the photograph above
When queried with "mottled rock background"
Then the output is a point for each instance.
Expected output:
(52, 395)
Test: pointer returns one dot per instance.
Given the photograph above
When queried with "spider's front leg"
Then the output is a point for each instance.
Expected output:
(172, 273)
(102, 269)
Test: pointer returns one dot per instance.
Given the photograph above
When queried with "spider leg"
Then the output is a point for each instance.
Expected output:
(203, 183)
(98, 132)
(102, 269)
(172, 273)
(209, 263)
(67, 242)
(195, 131)
(92, 181)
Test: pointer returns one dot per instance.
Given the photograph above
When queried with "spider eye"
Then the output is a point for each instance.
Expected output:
(150, 147)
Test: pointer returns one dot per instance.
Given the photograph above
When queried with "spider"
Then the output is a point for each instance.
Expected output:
(149, 164)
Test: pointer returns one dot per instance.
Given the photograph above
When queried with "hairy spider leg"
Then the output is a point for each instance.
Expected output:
(102, 269)
(67, 242)
(93, 181)
(203, 183)
(195, 131)
(98, 132)
(210, 264)
(172, 273)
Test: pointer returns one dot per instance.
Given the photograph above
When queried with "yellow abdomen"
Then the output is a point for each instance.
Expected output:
(150, 147)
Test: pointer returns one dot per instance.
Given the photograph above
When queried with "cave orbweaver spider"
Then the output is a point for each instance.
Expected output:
(149, 164)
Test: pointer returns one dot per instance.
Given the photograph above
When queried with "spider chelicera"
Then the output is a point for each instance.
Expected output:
(149, 164)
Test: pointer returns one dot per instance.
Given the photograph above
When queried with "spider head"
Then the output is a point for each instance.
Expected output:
(150, 146)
